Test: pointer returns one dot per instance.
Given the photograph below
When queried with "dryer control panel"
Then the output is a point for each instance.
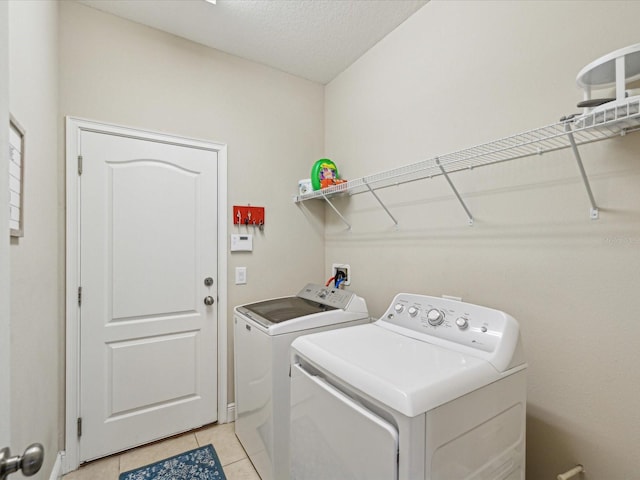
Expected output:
(468, 328)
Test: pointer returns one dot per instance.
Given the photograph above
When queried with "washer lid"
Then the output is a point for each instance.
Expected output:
(314, 306)
(282, 309)
(409, 375)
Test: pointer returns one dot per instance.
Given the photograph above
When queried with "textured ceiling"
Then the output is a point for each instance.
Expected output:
(314, 39)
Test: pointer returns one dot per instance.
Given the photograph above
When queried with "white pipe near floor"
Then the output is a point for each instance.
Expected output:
(571, 473)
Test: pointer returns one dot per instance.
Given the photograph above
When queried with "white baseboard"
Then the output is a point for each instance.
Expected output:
(56, 472)
(231, 412)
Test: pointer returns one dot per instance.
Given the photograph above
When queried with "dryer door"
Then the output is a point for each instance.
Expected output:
(332, 436)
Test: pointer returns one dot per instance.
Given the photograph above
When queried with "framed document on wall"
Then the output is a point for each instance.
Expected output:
(16, 178)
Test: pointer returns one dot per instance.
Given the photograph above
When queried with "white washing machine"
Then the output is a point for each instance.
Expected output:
(433, 390)
(263, 333)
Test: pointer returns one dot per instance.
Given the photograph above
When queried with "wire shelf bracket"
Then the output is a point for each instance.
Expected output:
(455, 191)
(375, 195)
(576, 153)
(344, 220)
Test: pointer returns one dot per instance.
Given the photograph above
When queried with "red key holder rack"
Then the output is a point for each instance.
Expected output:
(248, 215)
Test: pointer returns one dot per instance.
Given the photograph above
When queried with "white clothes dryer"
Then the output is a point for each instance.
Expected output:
(263, 332)
(433, 390)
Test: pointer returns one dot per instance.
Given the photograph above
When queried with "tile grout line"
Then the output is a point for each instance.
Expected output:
(237, 461)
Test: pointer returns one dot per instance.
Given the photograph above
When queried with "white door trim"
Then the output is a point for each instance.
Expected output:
(5, 277)
(74, 127)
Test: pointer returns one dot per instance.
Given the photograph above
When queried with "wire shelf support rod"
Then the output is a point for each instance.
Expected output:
(594, 214)
(380, 202)
(455, 191)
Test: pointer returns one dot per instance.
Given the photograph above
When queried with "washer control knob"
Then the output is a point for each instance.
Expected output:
(399, 308)
(413, 311)
(462, 323)
(435, 317)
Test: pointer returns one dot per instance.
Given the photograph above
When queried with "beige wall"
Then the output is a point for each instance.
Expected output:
(36, 323)
(116, 71)
(457, 74)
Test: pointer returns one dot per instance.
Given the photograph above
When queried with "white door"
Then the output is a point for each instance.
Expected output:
(148, 341)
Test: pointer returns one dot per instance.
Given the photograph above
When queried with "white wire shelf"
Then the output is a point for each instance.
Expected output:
(589, 128)
(603, 122)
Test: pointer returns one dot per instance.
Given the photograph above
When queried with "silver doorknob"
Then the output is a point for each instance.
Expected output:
(30, 461)
(207, 301)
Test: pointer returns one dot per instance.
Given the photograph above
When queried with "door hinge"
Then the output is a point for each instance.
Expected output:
(79, 164)
(79, 296)
(79, 423)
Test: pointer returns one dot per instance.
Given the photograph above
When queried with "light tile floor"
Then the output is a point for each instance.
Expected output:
(234, 460)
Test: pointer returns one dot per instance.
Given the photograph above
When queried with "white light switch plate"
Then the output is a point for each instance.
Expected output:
(241, 275)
